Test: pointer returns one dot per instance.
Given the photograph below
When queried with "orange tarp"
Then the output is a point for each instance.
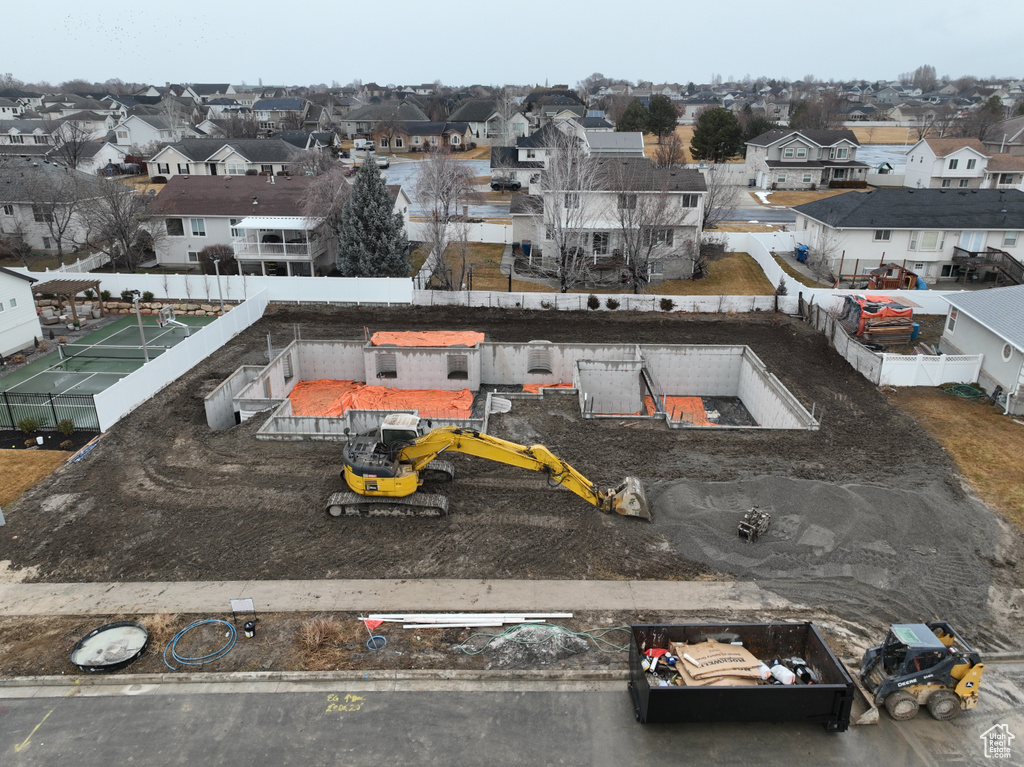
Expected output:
(687, 409)
(535, 388)
(466, 338)
(330, 398)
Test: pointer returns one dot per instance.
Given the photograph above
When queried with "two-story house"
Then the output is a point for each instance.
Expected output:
(365, 120)
(24, 132)
(141, 131)
(274, 115)
(19, 324)
(942, 235)
(487, 124)
(790, 159)
(224, 157)
(946, 163)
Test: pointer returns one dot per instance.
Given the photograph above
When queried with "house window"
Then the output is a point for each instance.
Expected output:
(951, 322)
(946, 270)
(972, 164)
(945, 183)
(122, 134)
(235, 169)
(659, 237)
(962, 183)
(193, 256)
(8, 210)
(14, 302)
(385, 141)
(399, 143)
(572, 200)
(163, 168)
(601, 243)
(1, 306)
(198, 227)
(1007, 352)
(183, 168)
(1010, 239)
(235, 232)
(627, 202)
(175, 228)
(838, 153)
(781, 178)
(41, 215)
(690, 200)
(531, 154)
(416, 140)
(807, 178)
(925, 241)
(17, 139)
(1005, 178)
(46, 243)
(839, 174)
(883, 235)
(456, 140)
(41, 139)
(953, 164)
(788, 153)
(266, 168)
(801, 151)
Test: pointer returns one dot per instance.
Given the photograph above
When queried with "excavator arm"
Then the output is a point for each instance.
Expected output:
(627, 499)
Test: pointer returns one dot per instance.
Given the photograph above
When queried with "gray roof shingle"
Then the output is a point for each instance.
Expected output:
(254, 150)
(1001, 310)
(819, 137)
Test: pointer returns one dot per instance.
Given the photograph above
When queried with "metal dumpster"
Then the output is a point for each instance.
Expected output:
(827, 703)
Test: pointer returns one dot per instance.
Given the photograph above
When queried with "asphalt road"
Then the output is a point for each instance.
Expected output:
(354, 724)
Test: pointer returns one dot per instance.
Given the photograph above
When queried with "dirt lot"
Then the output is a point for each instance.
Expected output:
(871, 520)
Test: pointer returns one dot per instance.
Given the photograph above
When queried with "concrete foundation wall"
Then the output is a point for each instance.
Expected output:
(767, 400)
(271, 383)
(691, 371)
(335, 360)
(611, 387)
(220, 405)
(511, 363)
(424, 368)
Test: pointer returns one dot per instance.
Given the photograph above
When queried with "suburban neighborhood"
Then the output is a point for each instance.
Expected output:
(239, 324)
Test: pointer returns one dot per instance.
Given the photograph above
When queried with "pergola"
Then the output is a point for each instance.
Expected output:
(68, 289)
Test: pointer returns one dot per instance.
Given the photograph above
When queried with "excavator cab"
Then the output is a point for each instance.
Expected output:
(400, 429)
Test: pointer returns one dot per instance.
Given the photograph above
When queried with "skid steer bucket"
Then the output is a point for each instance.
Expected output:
(629, 499)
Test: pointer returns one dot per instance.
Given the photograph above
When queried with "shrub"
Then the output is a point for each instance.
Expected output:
(67, 445)
(18, 359)
(66, 427)
(89, 295)
(62, 340)
(105, 295)
(147, 296)
(593, 301)
(317, 634)
(30, 443)
(127, 296)
(612, 303)
(252, 172)
(43, 346)
(161, 627)
(28, 425)
(667, 304)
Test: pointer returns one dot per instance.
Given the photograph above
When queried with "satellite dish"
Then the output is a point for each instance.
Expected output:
(110, 647)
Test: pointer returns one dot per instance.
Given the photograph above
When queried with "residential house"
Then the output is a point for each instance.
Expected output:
(148, 131)
(789, 159)
(595, 121)
(224, 157)
(280, 114)
(1004, 171)
(93, 126)
(487, 124)
(990, 323)
(19, 324)
(943, 236)
(913, 113)
(1006, 136)
(28, 99)
(601, 229)
(415, 135)
(304, 139)
(25, 132)
(207, 92)
(946, 163)
(35, 194)
(10, 110)
(98, 156)
(317, 119)
(365, 120)
(690, 107)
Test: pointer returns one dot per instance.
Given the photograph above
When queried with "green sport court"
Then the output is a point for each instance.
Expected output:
(61, 384)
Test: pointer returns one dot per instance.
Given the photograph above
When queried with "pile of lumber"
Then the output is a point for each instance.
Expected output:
(893, 330)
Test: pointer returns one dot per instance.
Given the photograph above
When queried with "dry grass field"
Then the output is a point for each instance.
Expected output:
(789, 199)
(887, 134)
(21, 469)
(986, 444)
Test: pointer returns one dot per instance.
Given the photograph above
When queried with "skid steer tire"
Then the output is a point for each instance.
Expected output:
(944, 705)
(902, 706)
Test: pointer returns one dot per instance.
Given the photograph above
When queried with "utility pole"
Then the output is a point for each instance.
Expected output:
(216, 268)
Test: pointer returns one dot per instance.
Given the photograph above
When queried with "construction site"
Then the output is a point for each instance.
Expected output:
(225, 474)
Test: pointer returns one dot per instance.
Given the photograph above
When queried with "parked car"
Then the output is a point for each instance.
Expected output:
(364, 144)
(505, 184)
(383, 162)
(350, 170)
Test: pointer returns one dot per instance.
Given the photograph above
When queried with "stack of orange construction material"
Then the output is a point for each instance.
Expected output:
(321, 398)
(434, 403)
(535, 388)
(428, 338)
(713, 664)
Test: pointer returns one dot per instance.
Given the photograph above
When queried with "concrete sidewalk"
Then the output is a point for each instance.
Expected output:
(383, 596)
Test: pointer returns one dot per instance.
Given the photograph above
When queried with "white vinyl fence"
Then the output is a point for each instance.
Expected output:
(135, 388)
(626, 302)
(922, 370)
(482, 232)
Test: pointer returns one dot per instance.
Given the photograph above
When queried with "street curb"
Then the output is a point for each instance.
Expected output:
(371, 675)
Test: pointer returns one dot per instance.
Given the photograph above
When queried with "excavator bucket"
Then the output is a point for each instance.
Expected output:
(630, 500)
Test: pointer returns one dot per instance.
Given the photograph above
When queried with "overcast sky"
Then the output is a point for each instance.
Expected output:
(523, 42)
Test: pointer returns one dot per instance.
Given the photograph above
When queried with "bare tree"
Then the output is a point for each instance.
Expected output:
(116, 223)
(56, 198)
(14, 243)
(388, 127)
(238, 125)
(290, 120)
(567, 184)
(722, 196)
(71, 138)
(443, 182)
(670, 152)
(324, 199)
(312, 162)
(648, 218)
(506, 107)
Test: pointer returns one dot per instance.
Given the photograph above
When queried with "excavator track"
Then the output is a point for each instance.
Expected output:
(438, 471)
(416, 505)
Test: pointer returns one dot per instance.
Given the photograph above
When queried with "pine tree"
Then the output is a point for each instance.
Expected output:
(717, 136)
(371, 239)
(634, 118)
(663, 116)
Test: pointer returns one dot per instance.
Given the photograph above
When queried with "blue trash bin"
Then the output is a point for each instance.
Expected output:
(801, 253)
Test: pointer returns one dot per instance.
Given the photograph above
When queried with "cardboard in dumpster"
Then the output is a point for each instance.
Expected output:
(685, 680)
(713, 658)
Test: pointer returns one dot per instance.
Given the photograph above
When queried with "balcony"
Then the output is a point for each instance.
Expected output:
(253, 247)
(992, 258)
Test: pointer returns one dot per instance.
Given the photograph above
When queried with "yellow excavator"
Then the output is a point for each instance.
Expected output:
(384, 472)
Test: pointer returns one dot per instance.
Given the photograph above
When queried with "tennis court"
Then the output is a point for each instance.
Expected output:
(61, 384)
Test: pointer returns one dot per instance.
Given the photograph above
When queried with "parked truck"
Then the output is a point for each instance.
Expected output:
(824, 696)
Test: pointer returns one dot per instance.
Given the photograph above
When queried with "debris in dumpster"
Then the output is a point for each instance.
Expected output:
(710, 663)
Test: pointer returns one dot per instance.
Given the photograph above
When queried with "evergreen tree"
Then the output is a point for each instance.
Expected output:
(371, 239)
(635, 118)
(663, 116)
(754, 126)
(717, 136)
